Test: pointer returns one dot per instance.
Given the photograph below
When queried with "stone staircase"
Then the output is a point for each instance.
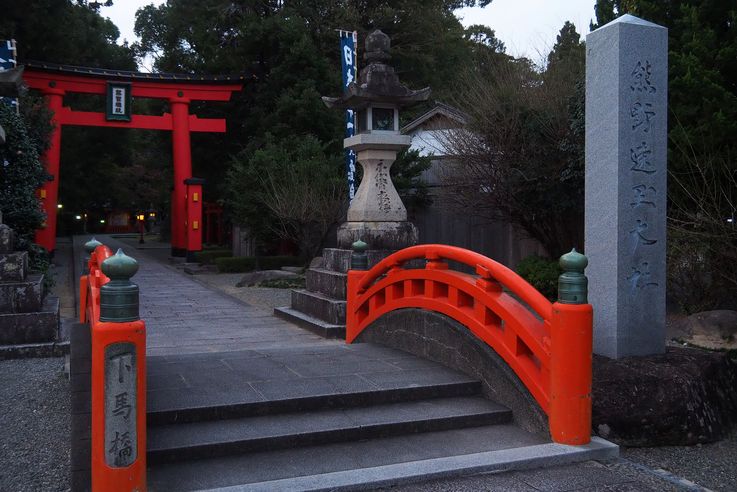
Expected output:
(320, 307)
(29, 320)
(326, 417)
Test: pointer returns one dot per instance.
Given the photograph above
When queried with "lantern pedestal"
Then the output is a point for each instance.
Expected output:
(380, 235)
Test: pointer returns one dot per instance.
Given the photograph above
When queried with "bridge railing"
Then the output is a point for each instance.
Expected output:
(548, 345)
(109, 304)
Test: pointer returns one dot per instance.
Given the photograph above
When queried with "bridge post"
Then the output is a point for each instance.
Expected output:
(119, 382)
(570, 355)
(359, 265)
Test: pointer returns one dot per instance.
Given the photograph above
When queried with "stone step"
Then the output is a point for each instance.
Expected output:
(252, 434)
(22, 296)
(316, 326)
(13, 266)
(319, 306)
(28, 328)
(328, 282)
(376, 463)
(208, 386)
(190, 405)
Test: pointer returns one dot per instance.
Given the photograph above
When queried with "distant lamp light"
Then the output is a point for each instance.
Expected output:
(140, 217)
(152, 215)
(59, 205)
(730, 220)
(102, 221)
(78, 217)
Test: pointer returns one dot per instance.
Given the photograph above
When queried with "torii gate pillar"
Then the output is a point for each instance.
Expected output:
(49, 191)
(182, 156)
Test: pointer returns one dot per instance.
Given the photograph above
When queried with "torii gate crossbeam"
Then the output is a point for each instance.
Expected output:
(55, 81)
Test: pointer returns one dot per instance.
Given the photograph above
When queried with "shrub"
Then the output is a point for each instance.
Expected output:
(208, 256)
(284, 283)
(542, 274)
(240, 264)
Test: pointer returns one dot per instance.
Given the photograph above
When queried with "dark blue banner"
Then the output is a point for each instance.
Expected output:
(8, 61)
(348, 41)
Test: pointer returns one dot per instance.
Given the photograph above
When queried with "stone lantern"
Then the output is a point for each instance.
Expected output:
(376, 214)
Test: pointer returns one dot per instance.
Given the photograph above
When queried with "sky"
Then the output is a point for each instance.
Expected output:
(527, 27)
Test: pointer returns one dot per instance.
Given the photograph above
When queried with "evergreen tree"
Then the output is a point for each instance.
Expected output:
(21, 174)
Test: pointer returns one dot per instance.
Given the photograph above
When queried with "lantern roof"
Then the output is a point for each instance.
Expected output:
(378, 82)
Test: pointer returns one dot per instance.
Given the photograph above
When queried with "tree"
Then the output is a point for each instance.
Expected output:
(294, 191)
(520, 159)
(293, 49)
(66, 32)
(21, 173)
(702, 75)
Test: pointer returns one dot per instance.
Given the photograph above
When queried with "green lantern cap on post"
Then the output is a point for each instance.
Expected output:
(359, 258)
(573, 284)
(119, 297)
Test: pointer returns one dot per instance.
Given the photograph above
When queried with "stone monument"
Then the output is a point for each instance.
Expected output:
(626, 171)
(29, 319)
(376, 215)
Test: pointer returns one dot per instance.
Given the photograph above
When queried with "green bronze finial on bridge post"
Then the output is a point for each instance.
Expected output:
(359, 257)
(119, 297)
(573, 284)
(89, 248)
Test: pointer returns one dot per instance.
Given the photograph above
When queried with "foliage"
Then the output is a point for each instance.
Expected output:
(520, 160)
(297, 190)
(542, 274)
(292, 48)
(284, 283)
(702, 236)
(702, 73)
(21, 174)
(406, 173)
(64, 31)
(208, 256)
(241, 264)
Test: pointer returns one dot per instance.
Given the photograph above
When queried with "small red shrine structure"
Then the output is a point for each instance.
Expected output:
(55, 81)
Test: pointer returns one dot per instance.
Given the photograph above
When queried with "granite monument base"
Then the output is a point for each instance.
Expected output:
(378, 235)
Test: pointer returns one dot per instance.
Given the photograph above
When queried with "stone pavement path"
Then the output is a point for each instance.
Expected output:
(184, 316)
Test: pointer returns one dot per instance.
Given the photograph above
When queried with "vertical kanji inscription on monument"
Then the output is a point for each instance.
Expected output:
(626, 175)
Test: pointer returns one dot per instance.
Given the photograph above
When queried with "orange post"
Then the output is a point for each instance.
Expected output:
(106, 476)
(570, 373)
(193, 224)
(118, 379)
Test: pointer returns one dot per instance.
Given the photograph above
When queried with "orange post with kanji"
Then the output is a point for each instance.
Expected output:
(118, 379)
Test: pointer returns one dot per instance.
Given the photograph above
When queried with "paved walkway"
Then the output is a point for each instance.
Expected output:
(184, 316)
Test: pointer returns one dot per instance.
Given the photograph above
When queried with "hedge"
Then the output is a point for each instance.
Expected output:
(241, 264)
(208, 256)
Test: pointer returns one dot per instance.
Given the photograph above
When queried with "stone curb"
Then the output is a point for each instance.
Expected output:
(438, 468)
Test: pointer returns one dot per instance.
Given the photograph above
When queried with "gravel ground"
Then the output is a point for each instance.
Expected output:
(34, 425)
(264, 298)
(713, 466)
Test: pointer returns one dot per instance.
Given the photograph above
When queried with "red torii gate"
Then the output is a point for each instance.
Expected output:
(55, 81)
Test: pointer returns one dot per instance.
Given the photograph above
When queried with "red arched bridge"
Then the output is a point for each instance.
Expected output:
(548, 345)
